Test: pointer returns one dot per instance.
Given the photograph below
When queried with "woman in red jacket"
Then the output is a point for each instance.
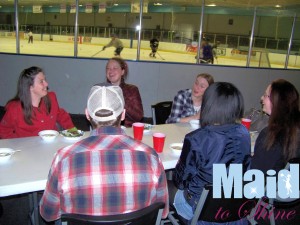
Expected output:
(33, 108)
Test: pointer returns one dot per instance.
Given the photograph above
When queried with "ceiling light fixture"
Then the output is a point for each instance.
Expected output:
(278, 6)
(157, 4)
(116, 4)
(211, 5)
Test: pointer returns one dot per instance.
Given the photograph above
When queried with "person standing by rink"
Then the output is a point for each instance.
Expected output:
(117, 43)
(207, 52)
(154, 42)
(30, 37)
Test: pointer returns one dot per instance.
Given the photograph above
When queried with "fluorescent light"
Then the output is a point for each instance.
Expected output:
(157, 4)
(211, 5)
(116, 4)
(278, 6)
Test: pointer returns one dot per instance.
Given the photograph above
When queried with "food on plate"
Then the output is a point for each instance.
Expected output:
(3, 154)
(74, 132)
(177, 147)
(48, 135)
(147, 126)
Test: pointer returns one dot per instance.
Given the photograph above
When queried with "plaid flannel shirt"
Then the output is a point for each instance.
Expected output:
(182, 106)
(105, 174)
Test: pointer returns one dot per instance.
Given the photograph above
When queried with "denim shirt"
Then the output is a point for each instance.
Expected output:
(224, 144)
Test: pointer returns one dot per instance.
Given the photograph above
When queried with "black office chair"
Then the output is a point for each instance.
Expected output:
(2, 112)
(150, 215)
(274, 205)
(208, 206)
(161, 112)
(80, 121)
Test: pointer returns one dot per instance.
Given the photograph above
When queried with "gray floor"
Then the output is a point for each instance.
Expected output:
(16, 211)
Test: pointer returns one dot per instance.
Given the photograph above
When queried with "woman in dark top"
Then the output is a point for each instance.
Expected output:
(221, 139)
(280, 140)
(116, 74)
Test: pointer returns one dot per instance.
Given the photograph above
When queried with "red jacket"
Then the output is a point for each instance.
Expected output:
(13, 124)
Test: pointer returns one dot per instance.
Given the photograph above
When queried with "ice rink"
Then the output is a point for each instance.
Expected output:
(89, 50)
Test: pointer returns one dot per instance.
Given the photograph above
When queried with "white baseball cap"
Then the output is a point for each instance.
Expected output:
(105, 97)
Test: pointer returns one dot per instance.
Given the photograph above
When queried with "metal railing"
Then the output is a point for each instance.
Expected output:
(228, 40)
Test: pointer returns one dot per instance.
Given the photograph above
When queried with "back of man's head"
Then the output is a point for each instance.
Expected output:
(105, 105)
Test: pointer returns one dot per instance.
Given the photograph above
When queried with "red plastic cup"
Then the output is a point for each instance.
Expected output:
(138, 130)
(159, 142)
(246, 122)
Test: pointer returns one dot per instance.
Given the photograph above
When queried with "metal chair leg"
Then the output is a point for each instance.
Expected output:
(34, 208)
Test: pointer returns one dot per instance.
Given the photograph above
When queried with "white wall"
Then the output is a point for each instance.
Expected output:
(219, 24)
(71, 78)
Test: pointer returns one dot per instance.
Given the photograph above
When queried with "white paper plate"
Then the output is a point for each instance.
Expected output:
(5, 154)
(147, 128)
(67, 136)
(176, 148)
(48, 135)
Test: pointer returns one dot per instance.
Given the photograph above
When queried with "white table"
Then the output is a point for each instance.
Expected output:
(27, 170)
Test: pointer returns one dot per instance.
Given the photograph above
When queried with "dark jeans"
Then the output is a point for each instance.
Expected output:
(118, 50)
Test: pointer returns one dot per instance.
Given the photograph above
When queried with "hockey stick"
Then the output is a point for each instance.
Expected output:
(160, 56)
(97, 53)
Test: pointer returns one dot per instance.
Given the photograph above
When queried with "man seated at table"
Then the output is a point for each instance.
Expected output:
(107, 173)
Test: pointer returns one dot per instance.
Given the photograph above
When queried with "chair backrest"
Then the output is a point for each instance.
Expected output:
(150, 215)
(80, 121)
(208, 207)
(289, 202)
(2, 112)
(161, 112)
(272, 204)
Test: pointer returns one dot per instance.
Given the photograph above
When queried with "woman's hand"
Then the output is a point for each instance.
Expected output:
(193, 117)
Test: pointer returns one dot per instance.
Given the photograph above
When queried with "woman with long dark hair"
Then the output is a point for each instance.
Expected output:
(280, 140)
(33, 108)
